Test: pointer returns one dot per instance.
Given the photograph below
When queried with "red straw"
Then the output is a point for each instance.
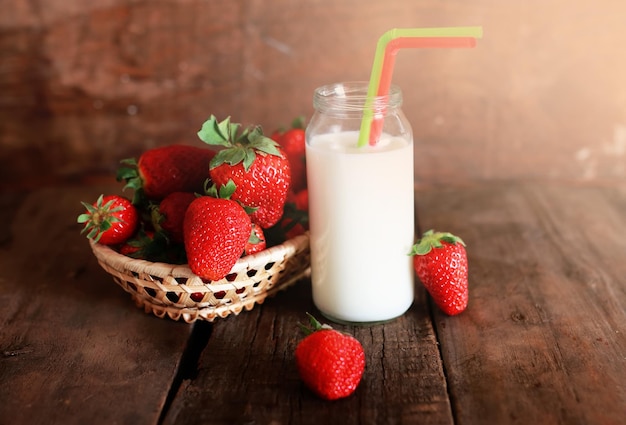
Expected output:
(395, 45)
(390, 59)
(382, 70)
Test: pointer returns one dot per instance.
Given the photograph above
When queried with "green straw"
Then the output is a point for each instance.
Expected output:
(401, 38)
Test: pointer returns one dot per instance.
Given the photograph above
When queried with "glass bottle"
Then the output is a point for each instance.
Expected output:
(361, 206)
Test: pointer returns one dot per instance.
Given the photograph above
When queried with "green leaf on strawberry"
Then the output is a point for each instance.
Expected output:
(242, 145)
(256, 164)
(314, 325)
(112, 219)
(224, 191)
(431, 239)
(218, 133)
(257, 140)
(440, 262)
(299, 122)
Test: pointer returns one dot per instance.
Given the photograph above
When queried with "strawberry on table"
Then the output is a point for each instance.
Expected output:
(255, 163)
(111, 220)
(216, 231)
(163, 170)
(329, 362)
(440, 262)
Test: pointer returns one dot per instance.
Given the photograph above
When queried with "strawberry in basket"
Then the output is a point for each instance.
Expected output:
(216, 231)
(111, 220)
(206, 208)
(292, 142)
(163, 170)
(255, 163)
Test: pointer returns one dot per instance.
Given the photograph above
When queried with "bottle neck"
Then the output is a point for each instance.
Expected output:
(350, 99)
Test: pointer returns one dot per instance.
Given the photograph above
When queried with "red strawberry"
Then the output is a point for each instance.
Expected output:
(330, 363)
(294, 222)
(301, 200)
(255, 164)
(136, 245)
(256, 242)
(440, 262)
(293, 143)
(110, 220)
(163, 170)
(170, 214)
(216, 232)
(153, 246)
(292, 227)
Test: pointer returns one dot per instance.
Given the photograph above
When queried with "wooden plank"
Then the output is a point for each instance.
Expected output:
(543, 340)
(544, 336)
(247, 372)
(73, 347)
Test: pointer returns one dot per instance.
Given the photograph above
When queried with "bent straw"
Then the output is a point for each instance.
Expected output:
(386, 50)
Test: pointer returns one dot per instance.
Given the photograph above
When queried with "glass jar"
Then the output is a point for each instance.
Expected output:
(361, 206)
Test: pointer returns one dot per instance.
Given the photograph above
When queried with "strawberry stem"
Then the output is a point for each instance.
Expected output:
(314, 325)
(299, 122)
(99, 218)
(431, 239)
(129, 173)
(241, 145)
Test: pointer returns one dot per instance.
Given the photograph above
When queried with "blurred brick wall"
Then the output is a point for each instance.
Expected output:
(85, 84)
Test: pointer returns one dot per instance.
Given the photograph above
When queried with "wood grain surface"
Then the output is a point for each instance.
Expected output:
(544, 336)
(247, 371)
(543, 339)
(73, 348)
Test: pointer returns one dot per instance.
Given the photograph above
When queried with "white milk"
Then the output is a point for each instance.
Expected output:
(362, 226)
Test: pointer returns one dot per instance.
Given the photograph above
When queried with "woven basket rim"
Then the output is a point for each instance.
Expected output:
(250, 281)
(161, 269)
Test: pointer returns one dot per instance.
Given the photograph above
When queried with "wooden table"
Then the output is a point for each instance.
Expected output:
(543, 340)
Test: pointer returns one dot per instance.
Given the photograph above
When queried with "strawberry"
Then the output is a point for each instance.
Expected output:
(292, 228)
(256, 242)
(111, 220)
(440, 262)
(301, 199)
(170, 214)
(163, 170)
(295, 219)
(153, 246)
(329, 362)
(136, 245)
(216, 231)
(255, 163)
(293, 143)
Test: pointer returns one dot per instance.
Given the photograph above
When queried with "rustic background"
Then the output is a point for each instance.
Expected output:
(84, 84)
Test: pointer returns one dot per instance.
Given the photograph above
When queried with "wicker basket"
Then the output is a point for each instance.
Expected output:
(174, 291)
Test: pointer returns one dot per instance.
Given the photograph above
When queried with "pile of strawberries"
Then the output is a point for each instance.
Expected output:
(210, 206)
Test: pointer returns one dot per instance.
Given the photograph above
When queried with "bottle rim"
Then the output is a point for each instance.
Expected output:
(352, 97)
